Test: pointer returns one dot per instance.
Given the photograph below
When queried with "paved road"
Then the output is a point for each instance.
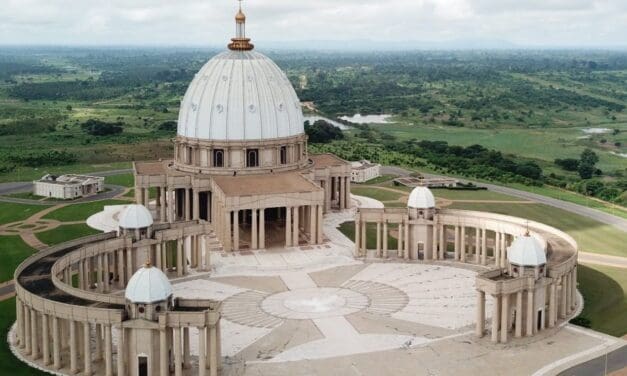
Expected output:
(7, 290)
(597, 259)
(597, 215)
(601, 366)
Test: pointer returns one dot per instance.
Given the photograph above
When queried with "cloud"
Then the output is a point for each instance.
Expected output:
(210, 22)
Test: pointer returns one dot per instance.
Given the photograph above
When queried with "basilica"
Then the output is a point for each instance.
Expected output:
(231, 262)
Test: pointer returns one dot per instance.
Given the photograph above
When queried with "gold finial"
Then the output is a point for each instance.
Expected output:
(240, 42)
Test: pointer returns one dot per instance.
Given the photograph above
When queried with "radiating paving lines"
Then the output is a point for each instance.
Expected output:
(384, 299)
(245, 309)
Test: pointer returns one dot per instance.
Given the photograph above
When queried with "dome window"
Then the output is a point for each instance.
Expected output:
(252, 158)
(283, 155)
(252, 108)
(220, 108)
(218, 158)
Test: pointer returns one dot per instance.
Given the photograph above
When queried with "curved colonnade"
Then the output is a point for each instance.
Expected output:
(71, 306)
(525, 303)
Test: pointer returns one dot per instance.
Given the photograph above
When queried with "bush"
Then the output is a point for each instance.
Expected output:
(322, 132)
(101, 128)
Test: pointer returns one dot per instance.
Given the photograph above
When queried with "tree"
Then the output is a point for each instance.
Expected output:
(586, 171)
(568, 164)
(589, 157)
(101, 128)
(322, 132)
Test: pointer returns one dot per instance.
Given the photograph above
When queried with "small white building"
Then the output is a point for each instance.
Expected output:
(68, 187)
(363, 171)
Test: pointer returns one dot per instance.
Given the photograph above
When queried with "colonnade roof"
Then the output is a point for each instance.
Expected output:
(269, 184)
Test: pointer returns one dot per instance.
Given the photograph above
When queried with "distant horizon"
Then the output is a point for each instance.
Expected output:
(526, 24)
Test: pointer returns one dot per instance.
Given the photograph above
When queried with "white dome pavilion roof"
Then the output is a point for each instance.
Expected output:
(526, 251)
(240, 96)
(421, 198)
(135, 216)
(148, 285)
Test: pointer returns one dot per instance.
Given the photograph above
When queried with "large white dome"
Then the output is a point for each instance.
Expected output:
(421, 198)
(526, 251)
(134, 217)
(148, 285)
(240, 96)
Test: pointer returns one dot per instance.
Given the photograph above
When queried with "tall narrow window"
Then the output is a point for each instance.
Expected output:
(218, 158)
(283, 155)
(252, 158)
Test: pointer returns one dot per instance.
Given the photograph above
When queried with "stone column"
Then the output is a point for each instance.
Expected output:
(357, 238)
(296, 229)
(186, 346)
(171, 203)
(503, 251)
(108, 351)
(27, 326)
(480, 327)
(456, 242)
(379, 239)
(530, 313)
(497, 249)
(179, 257)
(178, 361)
(129, 265)
(484, 247)
(342, 193)
(569, 293)
(519, 307)
(288, 226)
(73, 347)
(19, 318)
(202, 352)
(504, 318)
(196, 205)
(563, 297)
(347, 200)
(313, 225)
(399, 243)
(107, 272)
(163, 353)
(86, 348)
(408, 228)
(364, 238)
(121, 274)
(463, 244)
(162, 204)
(320, 222)
(254, 234)
(552, 313)
(34, 340)
(262, 228)
(573, 289)
(56, 344)
(120, 360)
(45, 339)
(434, 242)
(213, 351)
(236, 230)
(385, 240)
(442, 241)
(496, 313)
(477, 245)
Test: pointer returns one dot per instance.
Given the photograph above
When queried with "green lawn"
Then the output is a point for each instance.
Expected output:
(377, 194)
(125, 180)
(65, 233)
(10, 212)
(80, 212)
(348, 229)
(10, 364)
(591, 235)
(452, 194)
(605, 295)
(379, 180)
(13, 251)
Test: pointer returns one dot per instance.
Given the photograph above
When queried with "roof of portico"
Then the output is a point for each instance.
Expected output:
(269, 184)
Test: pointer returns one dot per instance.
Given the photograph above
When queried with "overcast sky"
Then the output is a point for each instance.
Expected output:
(569, 23)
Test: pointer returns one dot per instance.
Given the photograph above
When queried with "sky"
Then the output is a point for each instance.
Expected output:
(522, 23)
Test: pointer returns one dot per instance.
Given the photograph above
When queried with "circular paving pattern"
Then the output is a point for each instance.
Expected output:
(314, 303)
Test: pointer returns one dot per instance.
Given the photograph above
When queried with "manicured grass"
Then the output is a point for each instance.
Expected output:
(80, 212)
(65, 233)
(452, 194)
(376, 193)
(348, 229)
(379, 180)
(592, 236)
(10, 364)
(605, 298)
(124, 180)
(13, 251)
(10, 212)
